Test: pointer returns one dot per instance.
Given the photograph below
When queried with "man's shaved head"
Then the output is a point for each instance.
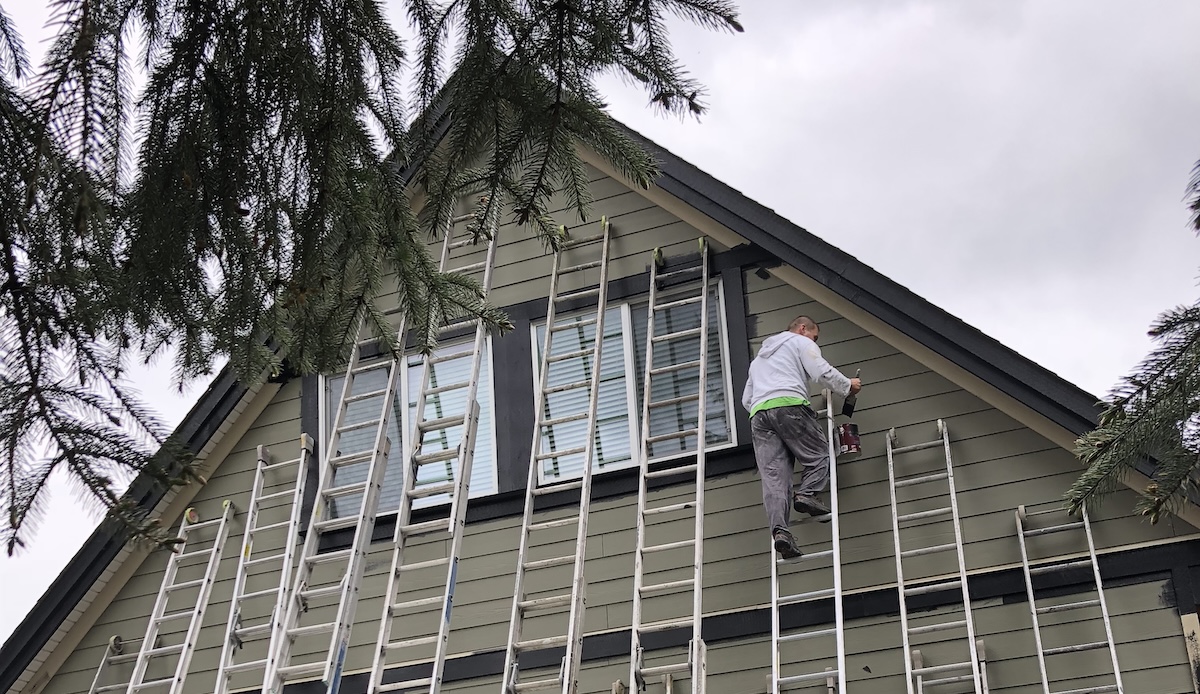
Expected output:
(802, 321)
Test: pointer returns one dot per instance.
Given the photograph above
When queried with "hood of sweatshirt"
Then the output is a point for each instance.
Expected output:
(772, 344)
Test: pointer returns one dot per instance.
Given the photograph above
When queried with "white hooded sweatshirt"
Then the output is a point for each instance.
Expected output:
(785, 366)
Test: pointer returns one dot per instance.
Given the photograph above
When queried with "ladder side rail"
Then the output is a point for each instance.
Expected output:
(1033, 610)
(908, 664)
(160, 601)
(698, 654)
(962, 562)
(1112, 644)
(635, 661)
(835, 531)
(515, 619)
(775, 655)
(575, 625)
(210, 574)
(278, 626)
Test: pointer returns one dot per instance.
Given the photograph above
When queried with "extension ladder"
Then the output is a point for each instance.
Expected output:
(277, 565)
(572, 636)
(431, 449)
(670, 378)
(1023, 534)
(831, 679)
(927, 673)
(918, 662)
(114, 654)
(337, 574)
(189, 530)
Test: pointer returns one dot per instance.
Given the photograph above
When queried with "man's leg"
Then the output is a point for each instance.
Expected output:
(775, 467)
(802, 434)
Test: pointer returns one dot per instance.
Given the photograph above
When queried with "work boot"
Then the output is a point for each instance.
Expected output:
(810, 504)
(785, 544)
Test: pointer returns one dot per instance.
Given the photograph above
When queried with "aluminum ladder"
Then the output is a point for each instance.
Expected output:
(932, 675)
(696, 279)
(189, 531)
(337, 574)
(567, 680)
(831, 680)
(425, 454)
(283, 537)
(1024, 532)
(115, 653)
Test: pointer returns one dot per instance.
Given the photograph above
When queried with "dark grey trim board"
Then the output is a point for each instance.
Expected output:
(1127, 567)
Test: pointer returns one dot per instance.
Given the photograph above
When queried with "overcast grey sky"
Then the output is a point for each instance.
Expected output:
(1019, 163)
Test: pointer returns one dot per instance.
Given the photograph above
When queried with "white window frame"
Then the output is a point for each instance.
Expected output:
(632, 401)
(406, 431)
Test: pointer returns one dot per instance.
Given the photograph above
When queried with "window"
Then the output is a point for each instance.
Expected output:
(622, 374)
(447, 404)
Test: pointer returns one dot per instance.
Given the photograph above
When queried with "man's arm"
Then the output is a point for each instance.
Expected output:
(748, 392)
(822, 372)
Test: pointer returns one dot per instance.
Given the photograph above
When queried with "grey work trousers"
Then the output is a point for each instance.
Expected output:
(782, 436)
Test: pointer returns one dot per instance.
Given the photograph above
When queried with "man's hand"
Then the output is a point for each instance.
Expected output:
(855, 385)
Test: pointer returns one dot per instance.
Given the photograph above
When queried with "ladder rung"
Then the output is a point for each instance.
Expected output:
(332, 524)
(451, 327)
(947, 680)
(668, 546)
(455, 245)
(533, 685)
(406, 685)
(152, 684)
(807, 677)
(112, 688)
(175, 616)
(803, 635)
(677, 335)
(568, 418)
(921, 480)
(921, 551)
(954, 584)
(559, 327)
(805, 597)
(427, 564)
(468, 269)
(675, 367)
(570, 355)
(580, 267)
(322, 592)
(262, 560)
(561, 453)
(302, 670)
(665, 669)
(271, 526)
(664, 625)
(537, 644)
(275, 466)
(436, 457)
(330, 557)
(463, 218)
(582, 241)
(409, 643)
(420, 602)
(673, 435)
(668, 586)
(573, 385)
(346, 489)
(1054, 529)
(945, 511)
(457, 385)
(1074, 649)
(668, 472)
(186, 584)
(674, 401)
(944, 626)
(1045, 569)
(234, 668)
(556, 523)
(1090, 690)
(917, 447)
(681, 271)
(432, 490)
(365, 396)
(545, 603)
(552, 561)
(1068, 606)
(582, 293)
(276, 495)
(562, 487)
(373, 366)
(669, 508)
(341, 461)
(938, 669)
(680, 302)
(807, 557)
(441, 423)
(250, 632)
(428, 526)
(439, 359)
(193, 555)
(205, 524)
(164, 650)
(310, 629)
(358, 425)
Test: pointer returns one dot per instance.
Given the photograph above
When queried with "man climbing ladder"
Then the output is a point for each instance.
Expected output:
(784, 426)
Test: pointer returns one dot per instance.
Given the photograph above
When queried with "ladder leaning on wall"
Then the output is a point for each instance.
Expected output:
(572, 636)
(337, 574)
(693, 282)
(275, 566)
(425, 454)
(917, 675)
(1024, 534)
(833, 680)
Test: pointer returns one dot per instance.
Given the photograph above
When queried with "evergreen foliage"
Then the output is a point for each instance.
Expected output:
(249, 202)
